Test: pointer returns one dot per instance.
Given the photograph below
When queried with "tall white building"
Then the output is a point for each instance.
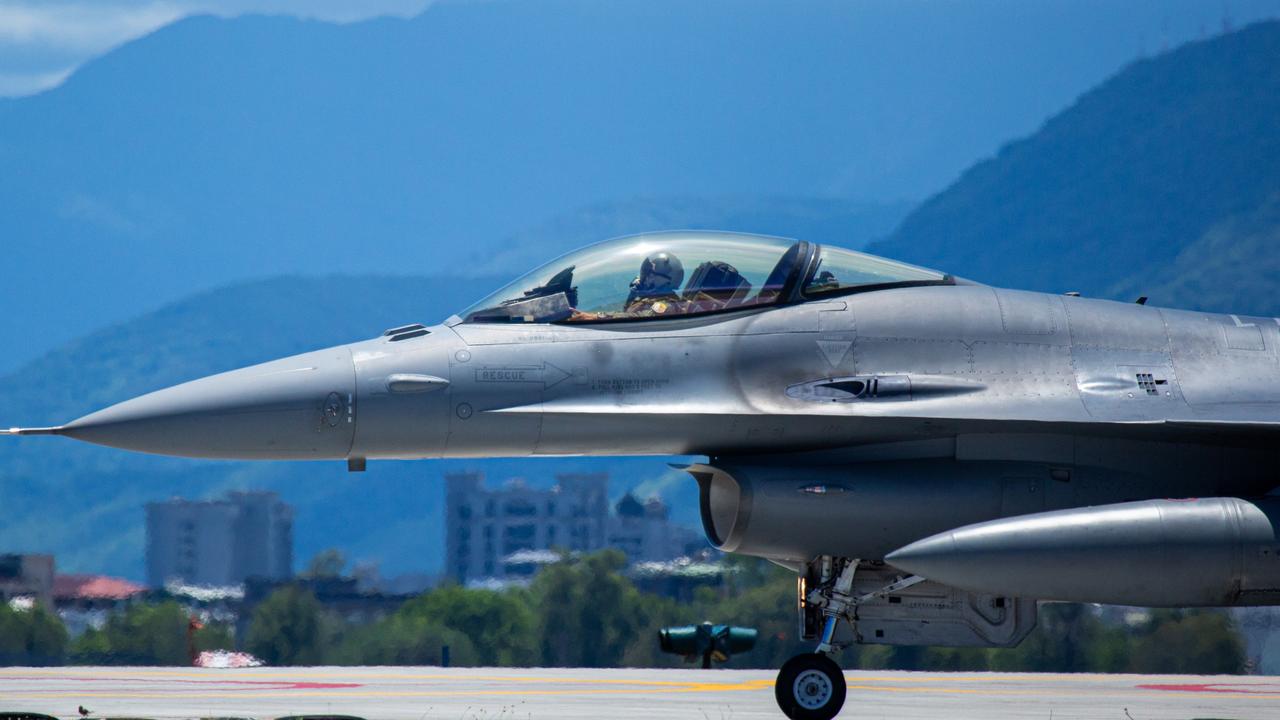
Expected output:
(219, 542)
(505, 532)
(483, 526)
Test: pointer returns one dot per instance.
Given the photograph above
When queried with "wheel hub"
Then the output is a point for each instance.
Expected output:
(812, 689)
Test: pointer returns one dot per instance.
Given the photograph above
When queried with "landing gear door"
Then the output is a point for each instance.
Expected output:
(933, 614)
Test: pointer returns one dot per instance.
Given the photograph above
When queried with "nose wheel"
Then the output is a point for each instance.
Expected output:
(810, 687)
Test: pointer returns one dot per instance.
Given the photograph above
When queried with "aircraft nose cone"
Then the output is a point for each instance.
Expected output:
(300, 407)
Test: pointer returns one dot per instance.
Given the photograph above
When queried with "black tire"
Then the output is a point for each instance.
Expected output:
(810, 687)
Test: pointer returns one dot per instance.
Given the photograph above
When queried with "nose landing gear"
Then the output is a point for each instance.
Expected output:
(811, 686)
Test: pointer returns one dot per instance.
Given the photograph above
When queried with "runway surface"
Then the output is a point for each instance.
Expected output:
(508, 694)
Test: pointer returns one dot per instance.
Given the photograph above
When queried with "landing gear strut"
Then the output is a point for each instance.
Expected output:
(811, 686)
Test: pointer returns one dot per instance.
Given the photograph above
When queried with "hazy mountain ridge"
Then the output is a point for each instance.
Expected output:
(1112, 196)
(218, 149)
(1232, 267)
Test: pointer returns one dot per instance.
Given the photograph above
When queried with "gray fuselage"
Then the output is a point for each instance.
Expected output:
(920, 408)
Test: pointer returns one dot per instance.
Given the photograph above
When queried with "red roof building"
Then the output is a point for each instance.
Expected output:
(93, 587)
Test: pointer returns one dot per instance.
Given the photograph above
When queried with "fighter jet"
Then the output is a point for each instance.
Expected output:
(930, 455)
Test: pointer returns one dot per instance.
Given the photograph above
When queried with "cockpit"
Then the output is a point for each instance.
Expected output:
(679, 274)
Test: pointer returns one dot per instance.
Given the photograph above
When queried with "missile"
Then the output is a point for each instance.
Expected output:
(1159, 553)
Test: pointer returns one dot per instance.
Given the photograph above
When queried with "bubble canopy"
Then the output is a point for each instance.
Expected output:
(677, 274)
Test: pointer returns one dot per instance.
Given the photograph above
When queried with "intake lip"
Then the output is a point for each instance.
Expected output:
(723, 505)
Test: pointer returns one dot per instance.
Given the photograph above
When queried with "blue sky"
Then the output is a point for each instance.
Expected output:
(43, 41)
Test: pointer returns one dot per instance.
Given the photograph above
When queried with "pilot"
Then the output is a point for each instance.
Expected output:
(656, 290)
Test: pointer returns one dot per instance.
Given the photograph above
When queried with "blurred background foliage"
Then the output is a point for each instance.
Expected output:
(34, 636)
(146, 634)
(584, 612)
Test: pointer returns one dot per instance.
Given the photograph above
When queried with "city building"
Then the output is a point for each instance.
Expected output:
(508, 532)
(86, 601)
(644, 532)
(219, 542)
(484, 526)
(26, 576)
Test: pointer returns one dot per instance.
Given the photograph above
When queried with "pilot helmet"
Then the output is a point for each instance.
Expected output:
(660, 273)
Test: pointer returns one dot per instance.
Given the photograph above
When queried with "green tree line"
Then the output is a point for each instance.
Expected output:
(584, 612)
(141, 634)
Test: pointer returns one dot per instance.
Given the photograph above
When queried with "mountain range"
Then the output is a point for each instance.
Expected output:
(1163, 181)
(219, 149)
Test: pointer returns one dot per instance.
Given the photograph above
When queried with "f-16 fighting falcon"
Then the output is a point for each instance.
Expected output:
(930, 455)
